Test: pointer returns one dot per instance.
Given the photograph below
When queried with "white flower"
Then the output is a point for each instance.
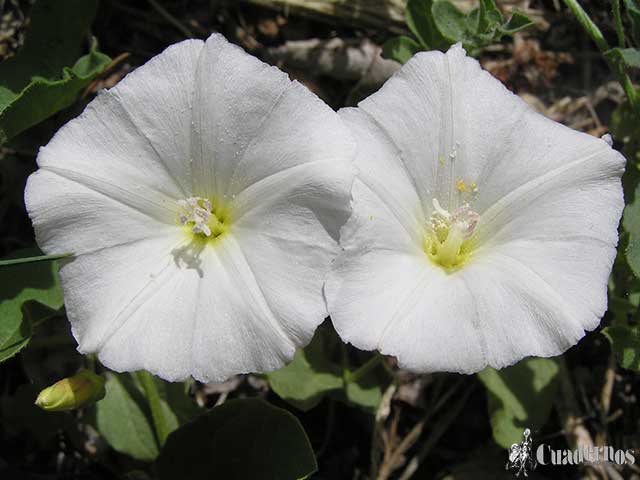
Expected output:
(482, 232)
(202, 198)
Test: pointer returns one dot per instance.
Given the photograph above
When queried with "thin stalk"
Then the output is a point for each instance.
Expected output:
(368, 366)
(161, 423)
(617, 19)
(40, 258)
(596, 35)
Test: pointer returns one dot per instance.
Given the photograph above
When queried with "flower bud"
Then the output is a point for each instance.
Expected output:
(83, 389)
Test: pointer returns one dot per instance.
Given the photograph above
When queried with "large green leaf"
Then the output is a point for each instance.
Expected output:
(520, 396)
(122, 421)
(625, 342)
(240, 439)
(19, 286)
(47, 75)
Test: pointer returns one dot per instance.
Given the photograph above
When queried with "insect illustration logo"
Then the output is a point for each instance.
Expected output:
(521, 459)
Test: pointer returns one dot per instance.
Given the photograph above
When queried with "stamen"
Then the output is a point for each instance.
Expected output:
(448, 241)
(198, 213)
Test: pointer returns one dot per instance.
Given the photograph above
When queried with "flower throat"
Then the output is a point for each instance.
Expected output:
(203, 218)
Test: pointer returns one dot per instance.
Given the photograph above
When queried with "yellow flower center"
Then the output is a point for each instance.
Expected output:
(204, 219)
(448, 241)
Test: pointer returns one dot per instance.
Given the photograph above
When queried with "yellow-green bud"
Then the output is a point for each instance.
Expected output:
(84, 388)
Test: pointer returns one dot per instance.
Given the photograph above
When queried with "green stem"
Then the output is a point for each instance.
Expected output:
(596, 35)
(364, 369)
(41, 258)
(586, 22)
(617, 18)
(162, 427)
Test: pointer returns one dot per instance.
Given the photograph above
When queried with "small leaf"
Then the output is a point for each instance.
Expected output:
(314, 373)
(450, 21)
(626, 57)
(400, 49)
(631, 223)
(520, 396)
(517, 22)
(625, 342)
(421, 22)
(20, 284)
(240, 439)
(310, 375)
(46, 75)
(489, 17)
(121, 420)
(365, 393)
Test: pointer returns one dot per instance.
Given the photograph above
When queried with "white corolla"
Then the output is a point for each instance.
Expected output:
(482, 232)
(202, 199)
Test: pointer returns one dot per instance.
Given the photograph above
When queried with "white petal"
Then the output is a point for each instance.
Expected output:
(71, 217)
(158, 100)
(378, 166)
(438, 103)
(577, 199)
(380, 265)
(136, 135)
(174, 309)
(289, 238)
(520, 313)
(254, 122)
(411, 112)
(550, 200)
(137, 292)
(105, 289)
(237, 330)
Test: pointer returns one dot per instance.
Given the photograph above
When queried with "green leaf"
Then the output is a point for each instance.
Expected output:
(121, 420)
(625, 57)
(240, 439)
(631, 223)
(421, 22)
(19, 285)
(625, 342)
(400, 49)
(46, 75)
(313, 374)
(520, 396)
(489, 16)
(310, 375)
(517, 22)
(633, 12)
(365, 393)
(450, 21)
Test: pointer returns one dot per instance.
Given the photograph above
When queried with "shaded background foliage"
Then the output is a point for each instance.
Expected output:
(335, 411)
